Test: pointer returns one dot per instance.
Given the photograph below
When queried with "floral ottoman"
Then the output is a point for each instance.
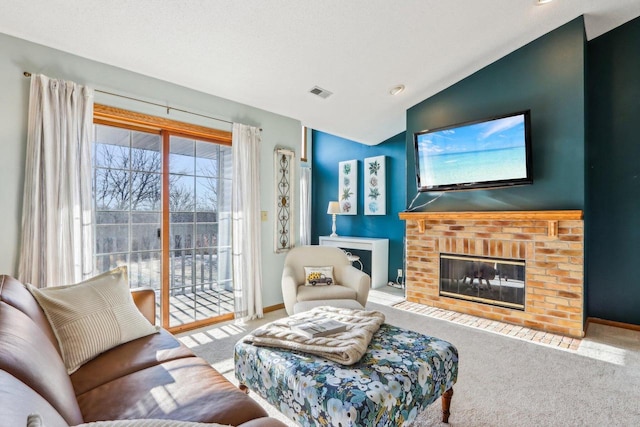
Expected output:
(401, 373)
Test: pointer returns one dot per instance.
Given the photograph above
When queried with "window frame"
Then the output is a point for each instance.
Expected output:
(126, 119)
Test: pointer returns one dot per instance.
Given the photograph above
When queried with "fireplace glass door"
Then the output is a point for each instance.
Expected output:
(493, 281)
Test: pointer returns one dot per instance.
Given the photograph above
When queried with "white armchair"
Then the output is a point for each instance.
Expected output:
(350, 283)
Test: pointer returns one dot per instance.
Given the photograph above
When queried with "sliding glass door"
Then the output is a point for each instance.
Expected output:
(200, 282)
(162, 208)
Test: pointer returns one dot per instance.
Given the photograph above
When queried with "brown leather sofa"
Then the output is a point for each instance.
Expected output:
(152, 377)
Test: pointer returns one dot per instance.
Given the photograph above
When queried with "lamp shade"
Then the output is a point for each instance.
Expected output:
(334, 208)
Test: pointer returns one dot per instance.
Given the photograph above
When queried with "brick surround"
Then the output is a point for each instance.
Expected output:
(551, 243)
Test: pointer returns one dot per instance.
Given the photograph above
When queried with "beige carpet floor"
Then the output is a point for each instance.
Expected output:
(502, 381)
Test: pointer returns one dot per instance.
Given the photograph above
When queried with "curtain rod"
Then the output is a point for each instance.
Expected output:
(28, 74)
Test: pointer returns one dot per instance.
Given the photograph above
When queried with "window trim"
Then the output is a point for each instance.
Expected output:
(112, 116)
(304, 144)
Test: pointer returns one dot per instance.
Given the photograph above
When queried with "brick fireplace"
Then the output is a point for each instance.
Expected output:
(551, 243)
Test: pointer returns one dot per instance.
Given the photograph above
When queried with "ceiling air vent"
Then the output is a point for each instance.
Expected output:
(322, 93)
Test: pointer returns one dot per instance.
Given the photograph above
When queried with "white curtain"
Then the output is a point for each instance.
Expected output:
(245, 217)
(57, 229)
(305, 206)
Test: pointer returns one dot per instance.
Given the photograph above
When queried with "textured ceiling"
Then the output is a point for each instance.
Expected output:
(270, 53)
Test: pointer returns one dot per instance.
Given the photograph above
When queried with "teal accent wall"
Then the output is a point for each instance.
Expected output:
(327, 151)
(613, 175)
(547, 77)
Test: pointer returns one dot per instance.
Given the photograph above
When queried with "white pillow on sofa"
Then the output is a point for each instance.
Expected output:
(150, 423)
(35, 420)
(93, 316)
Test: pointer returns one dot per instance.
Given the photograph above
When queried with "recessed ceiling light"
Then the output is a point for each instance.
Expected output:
(541, 2)
(396, 90)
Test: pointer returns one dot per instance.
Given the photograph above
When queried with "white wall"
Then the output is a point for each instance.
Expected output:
(17, 56)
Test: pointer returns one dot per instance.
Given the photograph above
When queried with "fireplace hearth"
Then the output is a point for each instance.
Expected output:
(494, 281)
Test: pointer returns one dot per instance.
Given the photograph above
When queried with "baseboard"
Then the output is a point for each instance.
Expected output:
(613, 323)
(200, 323)
(273, 308)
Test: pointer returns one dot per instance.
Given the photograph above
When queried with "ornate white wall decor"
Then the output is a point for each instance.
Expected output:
(348, 187)
(375, 197)
(284, 213)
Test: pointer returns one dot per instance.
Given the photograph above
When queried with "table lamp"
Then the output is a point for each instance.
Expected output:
(333, 209)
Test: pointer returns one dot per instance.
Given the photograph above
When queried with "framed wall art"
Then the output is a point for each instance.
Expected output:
(375, 197)
(284, 187)
(348, 187)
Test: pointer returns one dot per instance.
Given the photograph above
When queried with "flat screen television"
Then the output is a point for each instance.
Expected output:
(489, 153)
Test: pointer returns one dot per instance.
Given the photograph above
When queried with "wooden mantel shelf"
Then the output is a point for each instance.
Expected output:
(496, 215)
(551, 216)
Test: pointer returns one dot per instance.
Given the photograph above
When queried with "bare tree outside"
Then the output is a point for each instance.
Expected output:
(210, 183)
(127, 179)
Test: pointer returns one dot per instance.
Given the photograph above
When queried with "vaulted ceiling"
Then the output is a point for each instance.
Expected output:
(270, 53)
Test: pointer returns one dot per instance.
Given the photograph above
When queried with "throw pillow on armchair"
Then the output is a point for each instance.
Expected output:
(318, 276)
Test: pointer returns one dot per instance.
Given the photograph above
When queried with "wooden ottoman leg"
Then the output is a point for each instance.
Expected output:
(446, 403)
(244, 388)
